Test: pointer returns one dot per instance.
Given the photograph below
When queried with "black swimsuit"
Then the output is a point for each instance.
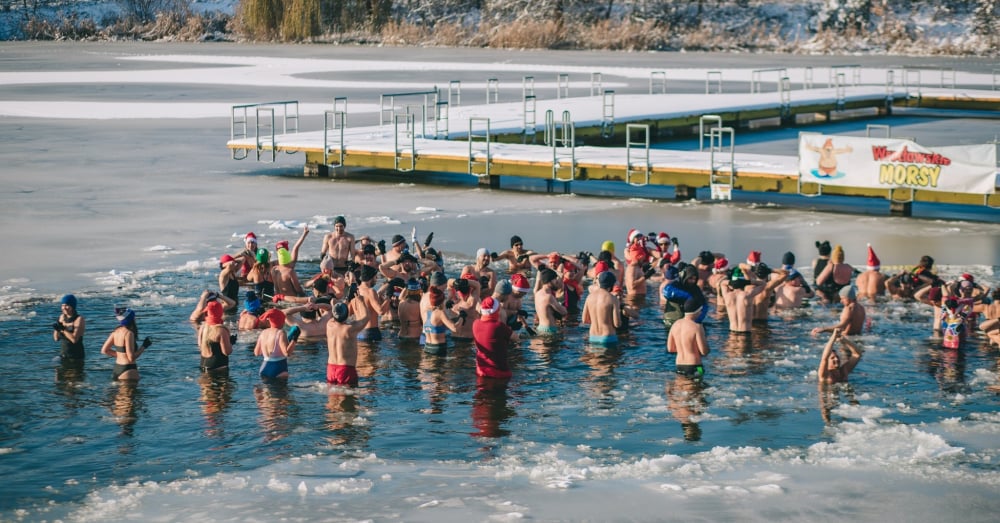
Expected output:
(217, 360)
(70, 350)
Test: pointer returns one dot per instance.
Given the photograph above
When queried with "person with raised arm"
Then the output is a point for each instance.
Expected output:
(831, 368)
(852, 317)
(122, 346)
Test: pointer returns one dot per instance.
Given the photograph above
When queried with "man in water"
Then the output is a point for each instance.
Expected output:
(342, 343)
(739, 300)
(687, 340)
(518, 258)
(338, 245)
(871, 283)
(831, 368)
(852, 318)
(602, 311)
(548, 309)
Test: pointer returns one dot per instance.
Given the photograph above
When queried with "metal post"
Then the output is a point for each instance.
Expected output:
(562, 86)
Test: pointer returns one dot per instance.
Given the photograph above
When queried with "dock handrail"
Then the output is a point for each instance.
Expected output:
(408, 135)
(339, 123)
(658, 78)
(387, 104)
(713, 75)
(596, 84)
(707, 119)
(608, 114)
(530, 118)
(562, 86)
(723, 173)
(755, 83)
(240, 120)
(564, 135)
(836, 70)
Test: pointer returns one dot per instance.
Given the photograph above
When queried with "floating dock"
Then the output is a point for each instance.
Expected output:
(602, 136)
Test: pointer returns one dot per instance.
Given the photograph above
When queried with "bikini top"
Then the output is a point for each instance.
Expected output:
(430, 328)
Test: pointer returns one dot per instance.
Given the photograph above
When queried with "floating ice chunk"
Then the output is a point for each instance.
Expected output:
(303, 489)
(278, 485)
(424, 210)
(159, 248)
(429, 504)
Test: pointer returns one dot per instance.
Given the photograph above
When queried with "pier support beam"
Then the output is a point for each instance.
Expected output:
(492, 181)
(683, 192)
(316, 170)
(901, 209)
(552, 188)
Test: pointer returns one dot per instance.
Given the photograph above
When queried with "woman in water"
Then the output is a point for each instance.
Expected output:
(213, 340)
(68, 330)
(274, 346)
(121, 345)
(437, 324)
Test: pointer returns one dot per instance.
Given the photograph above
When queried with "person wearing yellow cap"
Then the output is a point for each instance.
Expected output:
(835, 276)
(285, 279)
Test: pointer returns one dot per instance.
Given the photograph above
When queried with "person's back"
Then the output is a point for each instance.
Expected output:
(738, 296)
(602, 310)
(492, 338)
(687, 340)
(342, 342)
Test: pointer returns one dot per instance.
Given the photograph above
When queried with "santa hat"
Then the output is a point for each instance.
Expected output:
(721, 264)
(250, 237)
(283, 244)
(600, 267)
(663, 238)
(873, 262)
(633, 234)
(753, 258)
(489, 307)
(520, 283)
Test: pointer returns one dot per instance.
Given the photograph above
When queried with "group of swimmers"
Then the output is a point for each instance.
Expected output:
(364, 286)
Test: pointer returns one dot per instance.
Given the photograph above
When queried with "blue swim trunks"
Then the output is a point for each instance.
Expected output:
(604, 340)
(547, 329)
(272, 368)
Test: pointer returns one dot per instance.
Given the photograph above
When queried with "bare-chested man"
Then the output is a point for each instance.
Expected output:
(738, 295)
(871, 283)
(852, 318)
(517, 256)
(602, 311)
(286, 281)
(342, 343)
(687, 340)
(794, 290)
(376, 305)
(338, 245)
(548, 309)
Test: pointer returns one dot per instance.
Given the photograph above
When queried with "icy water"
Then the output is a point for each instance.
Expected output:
(579, 433)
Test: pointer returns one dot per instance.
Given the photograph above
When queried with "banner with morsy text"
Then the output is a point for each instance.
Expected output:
(886, 163)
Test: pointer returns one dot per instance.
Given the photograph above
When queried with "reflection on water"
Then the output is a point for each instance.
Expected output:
(217, 390)
(761, 392)
(687, 400)
(276, 408)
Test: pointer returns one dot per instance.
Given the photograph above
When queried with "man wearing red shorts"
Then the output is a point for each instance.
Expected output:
(342, 342)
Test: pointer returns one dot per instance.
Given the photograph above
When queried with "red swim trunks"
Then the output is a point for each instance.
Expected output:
(341, 375)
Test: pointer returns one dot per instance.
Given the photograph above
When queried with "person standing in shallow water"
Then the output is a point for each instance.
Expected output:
(831, 368)
(121, 345)
(69, 329)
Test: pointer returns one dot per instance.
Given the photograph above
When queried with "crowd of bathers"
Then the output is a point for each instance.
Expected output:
(365, 286)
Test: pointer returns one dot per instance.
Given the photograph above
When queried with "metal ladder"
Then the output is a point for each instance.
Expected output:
(492, 90)
(640, 165)
(658, 82)
(596, 83)
(712, 121)
(479, 168)
(530, 118)
(608, 114)
(709, 77)
(240, 122)
(455, 93)
(442, 109)
(563, 136)
(723, 168)
(408, 138)
(339, 124)
(562, 86)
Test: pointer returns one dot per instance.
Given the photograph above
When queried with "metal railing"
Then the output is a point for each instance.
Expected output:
(388, 110)
(608, 114)
(755, 77)
(836, 70)
(529, 111)
(563, 147)
(455, 93)
(596, 83)
(640, 166)
(408, 142)
(658, 82)
(492, 90)
(562, 86)
(240, 122)
(339, 119)
(713, 121)
(711, 76)
(723, 169)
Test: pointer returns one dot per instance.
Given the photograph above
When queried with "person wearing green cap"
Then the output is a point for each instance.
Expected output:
(738, 294)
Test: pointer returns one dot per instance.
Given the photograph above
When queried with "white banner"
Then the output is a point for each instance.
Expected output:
(885, 163)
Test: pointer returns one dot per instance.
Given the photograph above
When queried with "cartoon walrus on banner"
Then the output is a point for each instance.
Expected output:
(827, 167)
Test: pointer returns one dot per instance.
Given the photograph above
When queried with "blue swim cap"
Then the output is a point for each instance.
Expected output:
(70, 300)
(126, 317)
